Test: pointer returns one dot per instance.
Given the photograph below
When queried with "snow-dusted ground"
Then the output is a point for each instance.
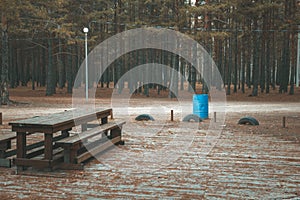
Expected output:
(164, 159)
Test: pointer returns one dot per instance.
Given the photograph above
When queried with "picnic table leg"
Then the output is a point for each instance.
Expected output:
(70, 153)
(48, 146)
(83, 127)
(65, 133)
(67, 153)
(117, 132)
(104, 120)
(111, 115)
(2, 153)
(21, 147)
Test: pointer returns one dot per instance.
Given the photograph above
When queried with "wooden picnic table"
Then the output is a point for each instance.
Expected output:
(48, 125)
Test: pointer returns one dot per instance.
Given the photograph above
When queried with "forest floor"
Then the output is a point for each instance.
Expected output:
(239, 162)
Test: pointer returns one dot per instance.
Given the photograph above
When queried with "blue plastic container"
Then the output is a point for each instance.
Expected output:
(200, 105)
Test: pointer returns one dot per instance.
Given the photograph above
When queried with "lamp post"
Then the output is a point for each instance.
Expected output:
(298, 52)
(86, 30)
(298, 57)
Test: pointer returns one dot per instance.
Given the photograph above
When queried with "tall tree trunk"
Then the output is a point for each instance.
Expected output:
(33, 70)
(268, 69)
(293, 7)
(268, 52)
(285, 63)
(285, 66)
(229, 65)
(293, 68)
(274, 64)
(51, 80)
(4, 71)
(13, 69)
(43, 71)
(69, 73)
(255, 76)
(235, 59)
(220, 62)
(61, 68)
(264, 53)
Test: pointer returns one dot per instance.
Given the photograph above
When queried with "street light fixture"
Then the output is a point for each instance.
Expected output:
(86, 30)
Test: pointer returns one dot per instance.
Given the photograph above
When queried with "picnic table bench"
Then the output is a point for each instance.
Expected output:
(81, 147)
(5, 145)
(50, 153)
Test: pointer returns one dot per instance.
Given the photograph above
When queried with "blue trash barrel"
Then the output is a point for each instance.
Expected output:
(200, 105)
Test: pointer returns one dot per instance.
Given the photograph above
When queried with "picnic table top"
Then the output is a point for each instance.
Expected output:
(61, 119)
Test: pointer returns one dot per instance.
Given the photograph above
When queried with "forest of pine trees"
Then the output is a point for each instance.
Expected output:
(253, 42)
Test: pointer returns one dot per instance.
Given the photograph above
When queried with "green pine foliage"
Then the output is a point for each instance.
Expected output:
(254, 43)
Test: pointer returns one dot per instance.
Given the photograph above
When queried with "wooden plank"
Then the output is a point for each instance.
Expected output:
(25, 162)
(90, 133)
(10, 153)
(63, 117)
(5, 141)
(97, 150)
(38, 163)
(7, 137)
(35, 152)
(42, 128)
(111, 125)
(94, 143)
(57, 122)
(41, 143)
(31, 129)
(39, 151)
(89, 126)
(69, 141)
(92, 117)
(70, 166)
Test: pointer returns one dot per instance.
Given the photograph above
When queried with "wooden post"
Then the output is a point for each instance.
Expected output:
(172, 115)
(283, 122)
(0, 118)
(111, 115)
(215, 117)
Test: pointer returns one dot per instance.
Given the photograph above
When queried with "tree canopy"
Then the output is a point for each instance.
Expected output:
(254, 43)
